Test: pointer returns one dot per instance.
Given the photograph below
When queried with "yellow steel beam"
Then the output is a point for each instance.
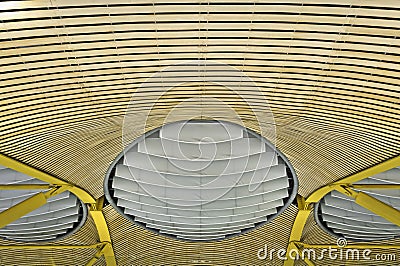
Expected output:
(379, 168)
(109, 254)
(96, 211)
(26, 187)
(97, 256)
(95, 205)
(317, 195)
(28, 170)
(374, 186)
(380, 208)
(298, 246)
(301, 219)
(28, 205)
(374, 205)
(22, 208)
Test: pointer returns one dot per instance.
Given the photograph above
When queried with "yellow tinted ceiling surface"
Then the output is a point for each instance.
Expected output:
(326, 71)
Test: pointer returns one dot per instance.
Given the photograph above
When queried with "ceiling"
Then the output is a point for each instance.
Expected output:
(322, 74)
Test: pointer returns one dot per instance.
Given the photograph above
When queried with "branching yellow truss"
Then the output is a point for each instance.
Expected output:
(346, 187)
(105, 248)
(55, 187)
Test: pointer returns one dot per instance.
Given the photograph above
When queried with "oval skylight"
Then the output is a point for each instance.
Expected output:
(340, 216)
(200, 180)
(63, 214)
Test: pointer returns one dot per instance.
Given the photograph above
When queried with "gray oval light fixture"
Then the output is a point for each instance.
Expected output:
(200, 180)
(60, 217)
(340, 216)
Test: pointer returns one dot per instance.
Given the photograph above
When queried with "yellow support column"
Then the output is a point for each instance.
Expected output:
(97, 256)
(96, 211)
(95, 205)
(301, 218)
(316, 196)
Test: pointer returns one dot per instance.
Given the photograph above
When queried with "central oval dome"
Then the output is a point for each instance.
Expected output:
(200, 180)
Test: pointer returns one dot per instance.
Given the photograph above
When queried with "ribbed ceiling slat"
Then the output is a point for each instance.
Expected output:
(327, 68)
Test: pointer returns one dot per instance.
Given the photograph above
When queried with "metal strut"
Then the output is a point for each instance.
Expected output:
(56, 186)
(345, 186)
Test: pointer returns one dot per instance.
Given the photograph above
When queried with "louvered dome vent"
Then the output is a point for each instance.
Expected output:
(63, 214)
(201, 180)
(340, 216)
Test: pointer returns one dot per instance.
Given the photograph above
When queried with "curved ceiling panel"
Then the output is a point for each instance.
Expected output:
(201, 180)
(327, 69)
(63, 214)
